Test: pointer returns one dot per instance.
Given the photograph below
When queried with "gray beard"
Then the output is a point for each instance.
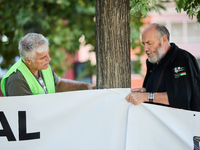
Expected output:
(157, 58)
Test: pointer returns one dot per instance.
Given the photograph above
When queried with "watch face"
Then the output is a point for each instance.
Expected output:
(151, 97)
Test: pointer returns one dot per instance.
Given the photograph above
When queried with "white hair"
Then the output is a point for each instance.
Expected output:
(32, 43)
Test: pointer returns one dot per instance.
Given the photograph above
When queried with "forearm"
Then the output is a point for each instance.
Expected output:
(140, 97)
(161, 98)
(71, 85)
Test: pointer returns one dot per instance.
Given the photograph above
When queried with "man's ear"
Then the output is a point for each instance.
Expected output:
(164, 39)
(28, 61)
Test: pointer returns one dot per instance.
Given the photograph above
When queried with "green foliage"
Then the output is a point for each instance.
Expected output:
(137, 66)
(135, 25)
(141, 6)
(192, 7)
(64, 21)
(89, 70)
(61, 21)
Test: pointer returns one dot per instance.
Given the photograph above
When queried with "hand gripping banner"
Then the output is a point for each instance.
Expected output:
(94, 120)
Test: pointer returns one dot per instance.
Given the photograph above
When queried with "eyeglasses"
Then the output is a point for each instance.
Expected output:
(43, 85)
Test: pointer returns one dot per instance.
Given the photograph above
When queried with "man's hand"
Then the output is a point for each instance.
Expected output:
(91, 86)
(137, 97)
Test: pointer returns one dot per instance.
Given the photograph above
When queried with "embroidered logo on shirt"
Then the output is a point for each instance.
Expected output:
(180, 74)
(179, 71)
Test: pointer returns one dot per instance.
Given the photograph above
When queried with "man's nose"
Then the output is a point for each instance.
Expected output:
(146, 48)
(48, 58)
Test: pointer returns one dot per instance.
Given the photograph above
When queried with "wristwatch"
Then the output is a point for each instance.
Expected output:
(151, 97)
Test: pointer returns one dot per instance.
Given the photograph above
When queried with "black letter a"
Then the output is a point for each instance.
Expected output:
(6, 128)
(22, 128)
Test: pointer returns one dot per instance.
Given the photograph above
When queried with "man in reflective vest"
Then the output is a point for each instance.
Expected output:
(32, 74)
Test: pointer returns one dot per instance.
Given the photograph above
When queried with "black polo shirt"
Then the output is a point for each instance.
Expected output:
(155, 73)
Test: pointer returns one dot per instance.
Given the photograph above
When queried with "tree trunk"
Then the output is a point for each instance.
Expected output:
(113, 44)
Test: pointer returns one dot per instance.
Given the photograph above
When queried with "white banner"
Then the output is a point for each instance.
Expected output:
(156, 127)
(93, 120)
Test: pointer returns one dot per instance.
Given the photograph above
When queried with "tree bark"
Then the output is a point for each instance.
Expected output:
(113, 44)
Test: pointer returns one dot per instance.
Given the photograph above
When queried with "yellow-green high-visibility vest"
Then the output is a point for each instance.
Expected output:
(30, 79)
